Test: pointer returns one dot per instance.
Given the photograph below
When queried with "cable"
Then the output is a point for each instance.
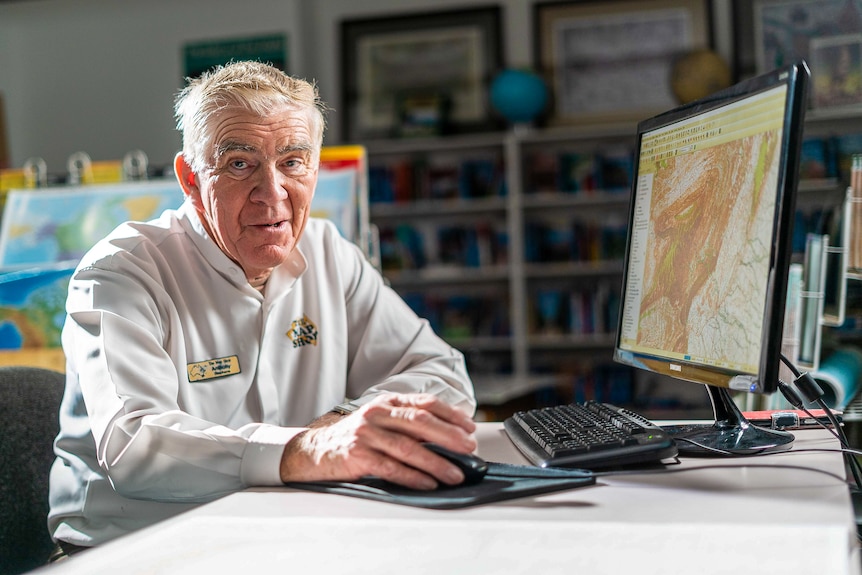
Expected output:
(718, 450)
(814, 394)
(796, 401)
(852, 463)
(790, 365)
(855, 467)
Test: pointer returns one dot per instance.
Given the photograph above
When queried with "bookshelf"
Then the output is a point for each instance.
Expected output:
(480, 261)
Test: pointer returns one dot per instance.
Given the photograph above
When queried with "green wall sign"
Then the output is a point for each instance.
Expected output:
(202, 56)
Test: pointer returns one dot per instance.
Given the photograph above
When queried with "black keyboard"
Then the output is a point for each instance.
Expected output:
(588, 435)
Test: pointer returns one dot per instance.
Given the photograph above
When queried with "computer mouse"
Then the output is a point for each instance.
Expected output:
(472, 466)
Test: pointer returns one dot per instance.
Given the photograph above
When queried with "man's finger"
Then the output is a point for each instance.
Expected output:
(420, 424)
(400, 451)
(439, 408)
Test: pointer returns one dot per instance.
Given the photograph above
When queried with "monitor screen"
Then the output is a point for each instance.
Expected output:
(709, 236)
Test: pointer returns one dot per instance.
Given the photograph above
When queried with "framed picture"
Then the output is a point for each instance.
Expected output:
(836, 71)
(613, 60)
(445, 57)
(784, 29)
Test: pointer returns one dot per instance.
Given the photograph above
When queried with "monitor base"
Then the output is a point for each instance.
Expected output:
(731, 434)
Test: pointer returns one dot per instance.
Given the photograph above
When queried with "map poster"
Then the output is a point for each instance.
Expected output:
(335, 199)
(33, 305)
(44, 226)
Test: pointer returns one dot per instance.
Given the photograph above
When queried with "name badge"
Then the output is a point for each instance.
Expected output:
(213, 368)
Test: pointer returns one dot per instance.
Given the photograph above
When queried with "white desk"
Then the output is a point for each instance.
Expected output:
(741, 517)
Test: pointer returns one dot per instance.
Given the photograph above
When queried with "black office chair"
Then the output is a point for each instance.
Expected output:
(29, 406)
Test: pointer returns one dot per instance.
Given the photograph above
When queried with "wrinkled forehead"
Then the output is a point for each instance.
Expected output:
(284, 129)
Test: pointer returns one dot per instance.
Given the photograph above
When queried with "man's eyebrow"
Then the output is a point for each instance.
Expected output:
(234, 146)
(300, 147)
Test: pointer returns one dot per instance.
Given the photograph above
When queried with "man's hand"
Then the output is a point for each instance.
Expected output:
(382, 438)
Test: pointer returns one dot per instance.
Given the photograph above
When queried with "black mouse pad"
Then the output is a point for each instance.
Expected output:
(503, 481)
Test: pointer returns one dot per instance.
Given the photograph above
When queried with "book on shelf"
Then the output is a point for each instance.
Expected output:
(578, 172)
(586, 246)
(617, 170)
(428, 244)
(443, 177)
(612, 240)
(460, 317)
(482, 178)
(604, 382)
(393, 182)
(589, 311)
(579, 241)
(438, 182)
(380, 185)
(542, 172)
(548, 316)
(829, 156)
(817, 159)
(845, 147)
(580, 312)
(401, 248)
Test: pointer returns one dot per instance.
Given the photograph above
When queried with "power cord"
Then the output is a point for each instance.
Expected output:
(814, 394)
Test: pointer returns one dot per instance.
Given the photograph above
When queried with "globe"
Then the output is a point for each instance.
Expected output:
(698, 74)
(518, 95)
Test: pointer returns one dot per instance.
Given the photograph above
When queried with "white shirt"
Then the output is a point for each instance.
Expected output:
(184, 382)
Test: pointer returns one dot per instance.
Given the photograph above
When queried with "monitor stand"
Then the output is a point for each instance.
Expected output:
(731, 434)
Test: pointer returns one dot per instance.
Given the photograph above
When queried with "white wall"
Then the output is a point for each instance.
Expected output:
(100, 75)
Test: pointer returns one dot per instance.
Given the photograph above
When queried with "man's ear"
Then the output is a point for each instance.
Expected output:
(185, 176)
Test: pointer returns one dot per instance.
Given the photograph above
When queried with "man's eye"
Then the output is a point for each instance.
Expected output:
(295, 165)
(239, 164)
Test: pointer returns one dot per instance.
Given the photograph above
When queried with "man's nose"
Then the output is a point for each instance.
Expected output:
(269, 185)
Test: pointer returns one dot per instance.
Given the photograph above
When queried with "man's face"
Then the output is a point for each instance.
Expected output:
(255, 199)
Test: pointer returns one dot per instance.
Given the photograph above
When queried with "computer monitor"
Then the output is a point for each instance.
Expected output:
(709, 248)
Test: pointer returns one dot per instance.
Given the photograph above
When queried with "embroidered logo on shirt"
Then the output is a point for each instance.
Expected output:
(213, 368)
(302, 332)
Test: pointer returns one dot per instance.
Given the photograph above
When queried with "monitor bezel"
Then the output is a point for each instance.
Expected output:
(795, 77)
